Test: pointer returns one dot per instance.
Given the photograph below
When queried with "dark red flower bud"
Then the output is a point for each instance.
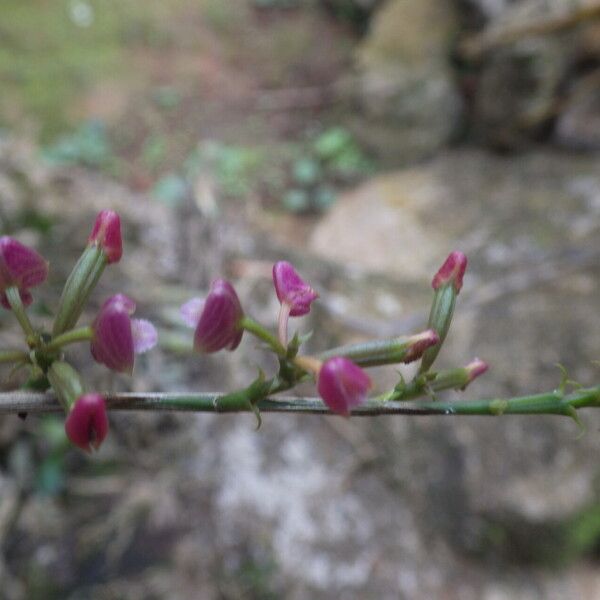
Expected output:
(106, 234)
(20, 267)
(216, 319)
(452, 271)
(87, 423)
(118, 337)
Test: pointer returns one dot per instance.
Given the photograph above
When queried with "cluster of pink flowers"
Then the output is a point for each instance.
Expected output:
(219, 323)
(114, 336)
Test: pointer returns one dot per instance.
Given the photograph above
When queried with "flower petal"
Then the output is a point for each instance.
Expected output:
(144, 335)
(292, 289)
(342, 384)
(20, 265)
(87, 422)
(113, 344)
(218, 327)
(191, 311)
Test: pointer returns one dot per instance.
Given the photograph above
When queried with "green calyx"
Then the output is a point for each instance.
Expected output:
(79, 285)
(440, 318)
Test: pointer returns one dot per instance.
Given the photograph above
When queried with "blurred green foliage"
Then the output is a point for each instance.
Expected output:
(88, 145)
(50, 476)
(331, 159)
(52, 51)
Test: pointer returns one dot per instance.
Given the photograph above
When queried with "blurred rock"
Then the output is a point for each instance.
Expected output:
(328, 508)
(409, 106)
(517, 92)
(578, 125)
(357, 12)
(526, 265)
(524, 57)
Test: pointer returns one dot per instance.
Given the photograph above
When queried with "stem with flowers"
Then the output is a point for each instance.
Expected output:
(219, 323)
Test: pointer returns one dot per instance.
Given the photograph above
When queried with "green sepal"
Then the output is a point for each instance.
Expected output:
(440, 318)
(295, 343)
(79, 286)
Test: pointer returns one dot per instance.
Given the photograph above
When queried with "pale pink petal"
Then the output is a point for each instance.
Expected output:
(144, 335)
(191, 311)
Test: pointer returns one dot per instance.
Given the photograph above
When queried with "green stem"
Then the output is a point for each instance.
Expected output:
(428, 385)
(66, 383)
(82, 334)
(13, 356)
(256, 329)
(549, 403)
(14, 299)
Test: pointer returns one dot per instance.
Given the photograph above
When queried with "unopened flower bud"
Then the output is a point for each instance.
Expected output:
(106, 234)
(476, 368)
(452, 271)
(447, 284)
(20, 267)
(342, 384)
(118, 337)
(217, 318)
(418, 343)
(292, 290)
(87, 422)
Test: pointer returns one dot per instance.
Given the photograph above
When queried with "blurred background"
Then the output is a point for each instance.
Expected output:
(362, 140)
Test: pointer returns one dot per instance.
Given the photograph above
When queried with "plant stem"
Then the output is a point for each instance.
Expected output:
(256, 329)
(282, 323)
(13, 356)
(548, 403)
(14, 299)
(82, 334)
(428, 385)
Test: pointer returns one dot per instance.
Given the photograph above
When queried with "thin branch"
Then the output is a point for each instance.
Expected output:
(554, 403)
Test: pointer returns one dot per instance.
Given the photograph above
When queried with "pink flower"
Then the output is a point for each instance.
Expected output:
(342, 385)
(216, 319)
(87, 423)
(106, 233)
(452, 271)
(118, 337)
(292, 290)
(21, 267)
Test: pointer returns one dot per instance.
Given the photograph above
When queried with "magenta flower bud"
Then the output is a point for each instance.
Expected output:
(476, 368)
(20, 267)
(87, 423)
(292, 290)
(118, 337)
(216, 319)
(106, 234)
(342, 385)
(452, 271)
(419, 342)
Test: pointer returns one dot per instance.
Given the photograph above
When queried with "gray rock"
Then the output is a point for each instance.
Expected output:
(578, 125)
(406, 87)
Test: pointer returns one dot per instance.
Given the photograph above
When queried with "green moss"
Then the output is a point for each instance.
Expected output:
(582, 533)
(553, 543)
